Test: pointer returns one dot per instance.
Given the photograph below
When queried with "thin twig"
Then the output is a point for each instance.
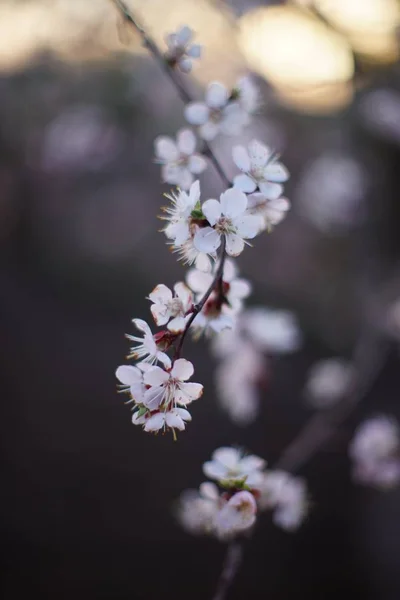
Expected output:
(232, 562)
(149, 43)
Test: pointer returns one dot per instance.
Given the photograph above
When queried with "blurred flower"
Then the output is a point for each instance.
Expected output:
(375, 453)
(328, 380)
(247, 94)
(238, 514)
(286, 496)
(166, 306)
(197, 509)
(274, 331)
(229, 466)
(178, 159)
(260, 169)
(181, 50)
(271, 211)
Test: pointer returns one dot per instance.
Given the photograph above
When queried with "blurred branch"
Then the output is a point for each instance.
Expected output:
(152, 47)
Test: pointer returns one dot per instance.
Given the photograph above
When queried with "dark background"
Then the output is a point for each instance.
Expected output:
(86, 498)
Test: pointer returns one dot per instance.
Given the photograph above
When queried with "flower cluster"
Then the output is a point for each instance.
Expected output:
(230, 507)
(375, 452)
(328, 381)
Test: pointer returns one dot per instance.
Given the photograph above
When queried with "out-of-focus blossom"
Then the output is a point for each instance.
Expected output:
(286, 496)
(330, 192)
(260, 170)
(230, 465)
(237, 515)
(167, 306)
(181, 51)
(247, 94)
(197, 509)
(180, 163)
(375, 452)
(328, 380)
(274, 331)
(217, 114)
(271, 211)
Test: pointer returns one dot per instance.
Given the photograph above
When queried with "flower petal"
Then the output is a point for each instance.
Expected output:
(153, 397)
(165, 148)
(161, 314)
(209, 131)
(240, 288)
(244, 183)
(184, 35)
(209, 490)
(197, 164)
(228, 457)
(198, 281)
(182, 369)
(174, 421)
(194, 193)
(142, 326)
(248, 226)
(259, 154)
(155, 422)
(241, 158)
(177, 325)
(196, 113)
(186, 141)
(234, 244)
(185, 64)
(252, 463)
(217, 95)
(271, 190)
(184, 294)
(192, 391)
(276, 172)
(214, 470)
(233, 203)
(207, 240)
(128, 375)
(161, 293)
(212, 211)
(155, 376)
(184, 414)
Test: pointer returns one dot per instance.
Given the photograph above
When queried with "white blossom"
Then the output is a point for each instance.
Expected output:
(178, 158)
(275, 331)
(146, 348)
(327, 382)
(286, 496)
(131, 379)
(237, 515)
(168, 419)
(218, 114)
(375, 451)
(272, 211)
(179, 214)
(197, 509)
(226, 218)
(261, 170)
(181, 50)
(167, 306)
(247, 94)
(229, 465)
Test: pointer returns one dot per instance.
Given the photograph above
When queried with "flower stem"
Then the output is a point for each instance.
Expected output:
(169, 70)
(232, 562)
(216, 283)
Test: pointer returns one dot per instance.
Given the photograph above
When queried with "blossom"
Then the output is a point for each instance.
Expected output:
(132, 380)
(227, 217)
(172, 419)
(275, 331)
(260, 169)
(179, 160)
(234, 289)
(181, 50)
(146, 348)
(272, 211)
(237, 515)
(179, 214)
(167, 306)
(375, 452)
(286, 496)
(247, 94)
(166, 389)
(218, 114)
(229, 466)
(197, 509)
(327, 382)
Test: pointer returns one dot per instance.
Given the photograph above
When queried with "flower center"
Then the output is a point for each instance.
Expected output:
(176, 307)
(225, 225)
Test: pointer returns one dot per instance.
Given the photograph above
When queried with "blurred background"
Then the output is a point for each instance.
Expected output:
(86, 498)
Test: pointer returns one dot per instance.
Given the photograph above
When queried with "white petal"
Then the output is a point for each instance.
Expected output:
(209, 490)
(241, 158)
(276, 172)
(230, 271)
(165, 148)
(184, 294)
(259, 154)
(234, 244)
(197, 113)
(161, 293)
(171, 173)
(153, 397)
(271, 190)
(212, 211)
(155, 422)
(142, 326)
(227, 456)
(198, 281)
(184, 414)
(209, 131)
(185, 65)
(197, 164)
(192, 391)
(244, 183)
(182, 369)
(194, 193)
(174, 421)
(161, 314)
(233, 203)
(184, 35)
(217, 95)
(128, 374)
(214, 470)
(252, 463)
(177, 325)
(155, 376)
(248, 226)
(180, 231)
(207, 240)
(186, 141)
(240, 288)
(136, 420)
(194, 51)
(185, 178)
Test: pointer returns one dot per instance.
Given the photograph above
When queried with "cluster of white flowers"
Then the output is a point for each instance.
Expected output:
(328, 381)
(243, 358)
(212, 298)
(375, 452)
(245, 488)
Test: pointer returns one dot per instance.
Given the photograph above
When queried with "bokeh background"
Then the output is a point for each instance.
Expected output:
(86, 498)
